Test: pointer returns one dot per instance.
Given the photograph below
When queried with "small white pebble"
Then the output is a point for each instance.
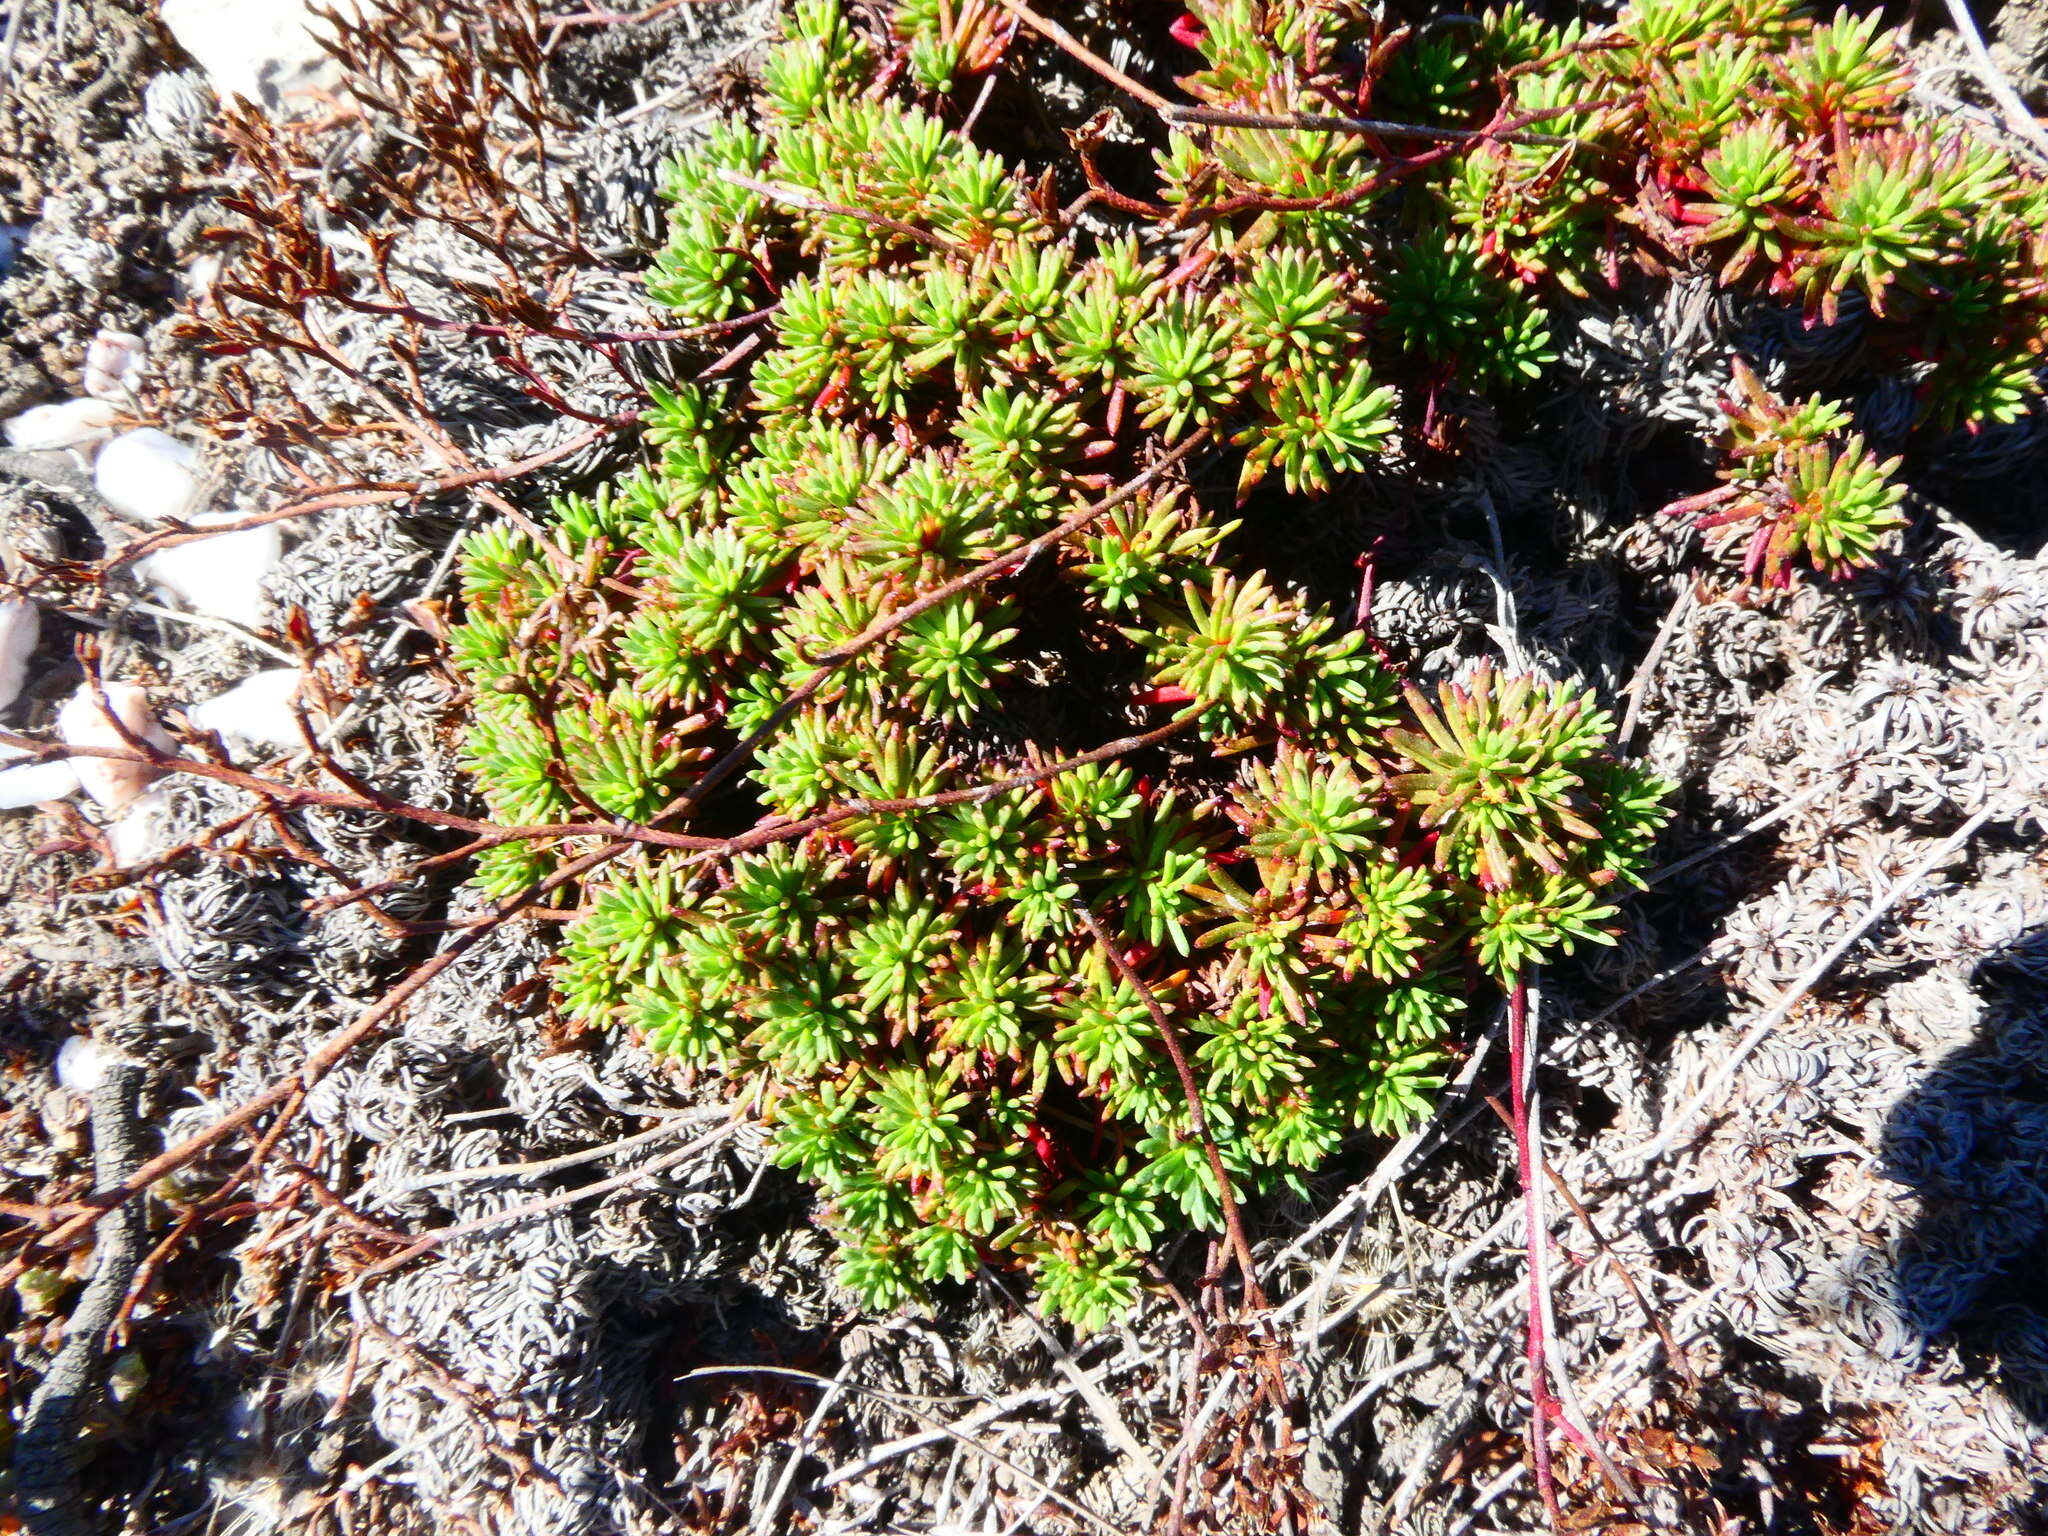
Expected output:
(113, 365)
(61, 424)
(143, 830)
(35, 783)
(196, 282)
(82, 723)
(148, 475)
(254, 49)
(223, 575)
(81, 1063)
(257, 710)
(20, 628)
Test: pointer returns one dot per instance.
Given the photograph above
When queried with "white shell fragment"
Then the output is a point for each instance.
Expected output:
(82, 723)
(20, 628)
(81, 1063)
(113, 365)
(257, 710)
(61, 424)
(254, 49)
(223, 575)
(196, 282)
(148, 475)
(143, 830)
(34, 783)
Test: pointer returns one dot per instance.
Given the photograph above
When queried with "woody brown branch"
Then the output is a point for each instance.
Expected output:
(1198, 1123)
(373, 493)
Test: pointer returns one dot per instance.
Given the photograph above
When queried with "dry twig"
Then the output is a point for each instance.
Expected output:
(427, 1242)
(1099, 1402)
(1043, 1489)
(1198, 1123)
(50, 1447)
(2017, 117)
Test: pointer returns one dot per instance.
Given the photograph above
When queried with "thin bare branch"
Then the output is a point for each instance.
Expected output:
(285, 796)
(1198, 1123)
(894, 1400)
(323, 1059)
(370, 494)
(1072, 46)
(804, 202)
(2017, 116)
(541, 1167)
(1319, 122)
(427, 1242)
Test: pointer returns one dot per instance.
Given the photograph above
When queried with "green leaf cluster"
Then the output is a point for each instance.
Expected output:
(1748, 138)
(1796, 486)
(1313, 873)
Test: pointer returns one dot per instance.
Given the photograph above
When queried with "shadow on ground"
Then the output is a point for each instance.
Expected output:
(1972, 1143)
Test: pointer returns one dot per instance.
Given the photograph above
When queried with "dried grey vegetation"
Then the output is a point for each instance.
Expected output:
(1845, 1245)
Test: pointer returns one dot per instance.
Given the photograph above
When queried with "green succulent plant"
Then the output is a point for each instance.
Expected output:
(969, 760)
(1796, 486)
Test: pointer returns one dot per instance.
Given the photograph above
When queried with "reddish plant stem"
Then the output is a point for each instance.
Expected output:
(770, 833)
(493, 1416)
(1395, 167)
(704, 850)
(761, 837)
(482, 330)
(370, 494)
(293, 796)
(328, 1200)
(1087, 146)
(1072, 46)
(790, 197)
(1176, 114)
(1219, 117)
(213, 1205)
(145, 1274)
(1368, 586)
(1651, 1315)
(596, 18)
(321, 906)
(1233, 1224)
(1585, 1440)
(41, 1215)
(1525, 1162)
